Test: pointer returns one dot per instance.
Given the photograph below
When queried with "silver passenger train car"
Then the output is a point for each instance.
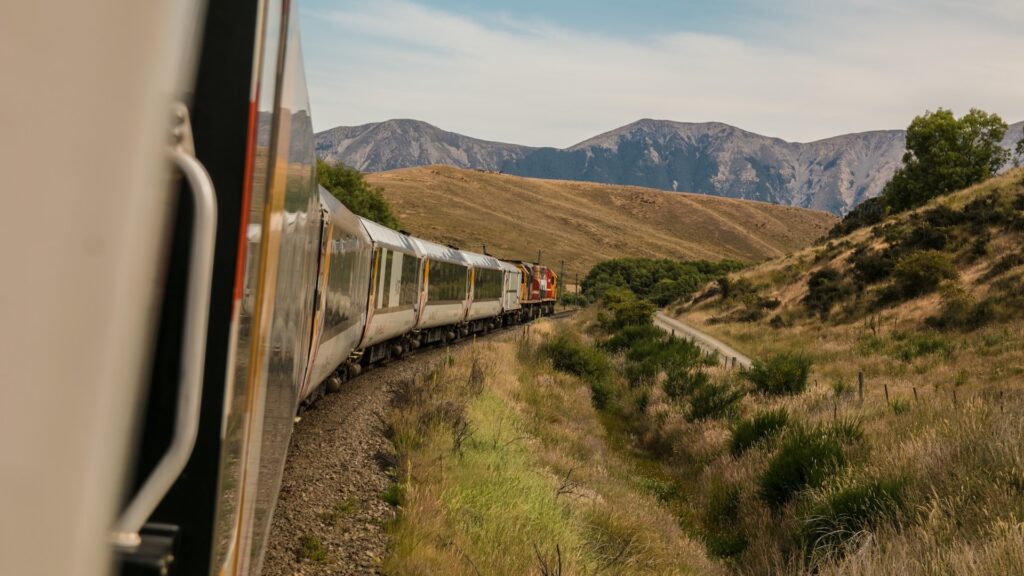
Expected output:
(217, 288)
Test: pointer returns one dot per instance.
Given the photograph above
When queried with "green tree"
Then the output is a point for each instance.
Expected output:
(351, 189)
(945, 154)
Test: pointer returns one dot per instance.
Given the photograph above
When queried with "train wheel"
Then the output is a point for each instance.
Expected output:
(334, 383)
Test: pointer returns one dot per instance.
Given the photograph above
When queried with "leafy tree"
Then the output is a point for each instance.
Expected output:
(351, 189)
(944, 154)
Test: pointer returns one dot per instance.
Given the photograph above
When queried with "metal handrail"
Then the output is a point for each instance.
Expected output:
(193, 356)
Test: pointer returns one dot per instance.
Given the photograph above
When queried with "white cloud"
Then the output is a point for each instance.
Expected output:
(865, 65)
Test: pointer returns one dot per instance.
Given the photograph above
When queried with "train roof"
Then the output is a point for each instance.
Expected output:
(438, 252)
(388, 238)
(508, 266)
(481, 260)
(341, 217)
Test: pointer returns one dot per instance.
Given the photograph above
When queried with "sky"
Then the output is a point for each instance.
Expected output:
(554, 73)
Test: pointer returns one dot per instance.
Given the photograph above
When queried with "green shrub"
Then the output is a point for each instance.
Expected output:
(600, 393)
(870, 266)
(735, 288)
(921, 272)
(869, 212)
(845, 512)
(569, 354)
(714, 400)
(926, 237)
(826, 288)
(572, 299)
(960, 311)
(805, 459)
(721, 520)
(908, 346)
(626, 310)
(763, 426)
(647, 358)
(778, 374)
(682, 382)
(630, 336)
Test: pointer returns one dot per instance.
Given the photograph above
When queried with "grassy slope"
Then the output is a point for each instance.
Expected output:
(534, 472)
(957, 446)
(584, 223)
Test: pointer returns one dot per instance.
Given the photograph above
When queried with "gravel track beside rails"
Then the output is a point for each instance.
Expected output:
(337, 468)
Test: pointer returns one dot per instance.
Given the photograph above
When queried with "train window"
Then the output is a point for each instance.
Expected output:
(447, 282)
(409, 285)
(384, 293)
(487, 284)
(338, 313)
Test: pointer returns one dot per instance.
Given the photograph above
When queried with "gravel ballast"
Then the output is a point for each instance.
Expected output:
(330, 517)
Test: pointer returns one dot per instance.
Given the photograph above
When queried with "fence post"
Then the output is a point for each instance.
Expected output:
(886, 386)
(915, 393)
(860, 385)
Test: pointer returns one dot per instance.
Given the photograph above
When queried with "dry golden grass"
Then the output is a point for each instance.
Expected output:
(585, 223)
(535, 473)
(942, 412)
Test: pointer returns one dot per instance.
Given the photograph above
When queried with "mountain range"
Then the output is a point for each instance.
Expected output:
(833, 175)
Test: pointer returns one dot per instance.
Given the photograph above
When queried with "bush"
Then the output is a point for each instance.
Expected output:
(825, 288)
(630, 336)
(779, 374)
(921, 273)
(907, 347)
(721, 520)
(626, 310)
(763, 426)
(960, 311)
(714, 400)
(849, 510)
(647, 358)
(870, 266)
(806, 458)
(569, 354)
(572, 299)
(682, 382)
(869, 212)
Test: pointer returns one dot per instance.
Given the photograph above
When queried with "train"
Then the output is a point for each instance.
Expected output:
(180, 286)
(380, 294)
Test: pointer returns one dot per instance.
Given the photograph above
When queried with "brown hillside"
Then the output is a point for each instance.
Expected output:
(584, 223)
